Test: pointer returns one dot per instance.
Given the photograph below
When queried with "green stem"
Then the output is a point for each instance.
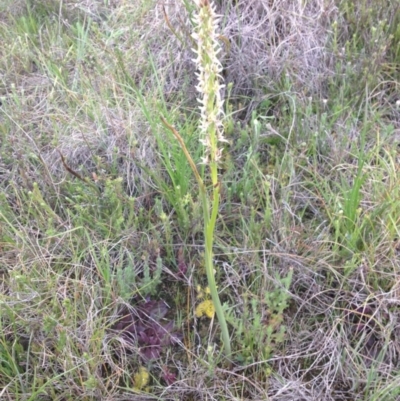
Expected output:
(209, 228)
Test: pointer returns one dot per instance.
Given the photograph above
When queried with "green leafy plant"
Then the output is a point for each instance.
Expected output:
(277, 302)
(259, 327)
(151, 280)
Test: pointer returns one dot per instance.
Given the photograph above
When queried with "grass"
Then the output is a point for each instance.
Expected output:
(101, 224)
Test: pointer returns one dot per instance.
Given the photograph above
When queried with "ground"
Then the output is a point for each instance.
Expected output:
(103, 287)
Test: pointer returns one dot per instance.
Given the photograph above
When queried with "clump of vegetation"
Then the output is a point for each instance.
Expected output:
(137, 261)
(142, 326)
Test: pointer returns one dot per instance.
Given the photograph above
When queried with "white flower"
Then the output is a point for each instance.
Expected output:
(208, 75)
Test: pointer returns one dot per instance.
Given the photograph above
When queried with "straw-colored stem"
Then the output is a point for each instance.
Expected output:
(185, 151)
